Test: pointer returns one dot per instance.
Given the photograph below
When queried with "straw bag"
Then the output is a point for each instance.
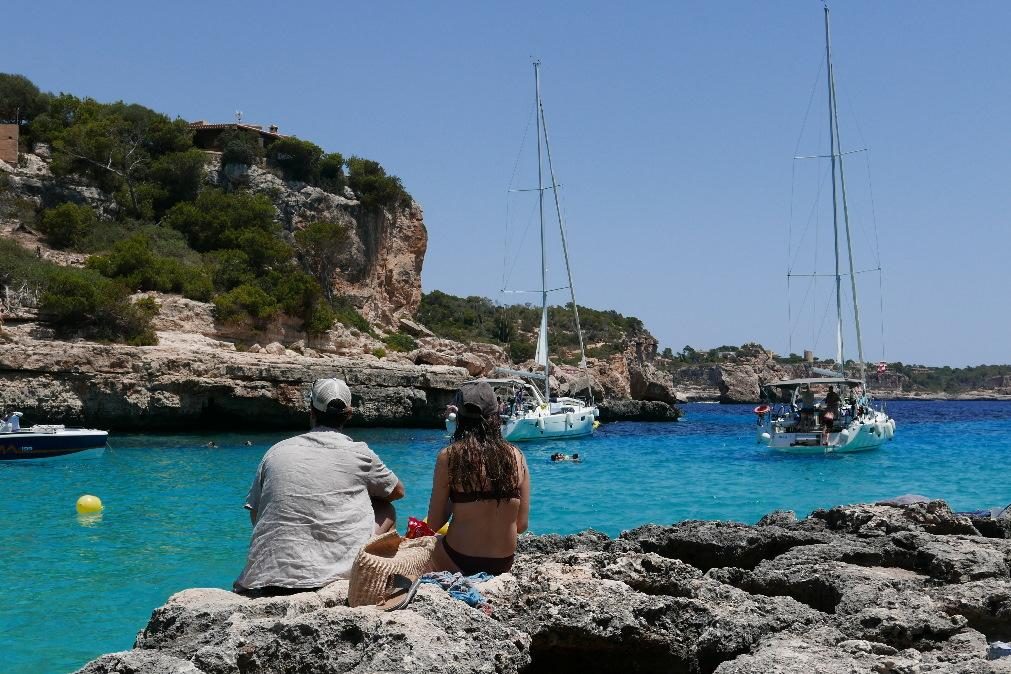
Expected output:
(382, 565)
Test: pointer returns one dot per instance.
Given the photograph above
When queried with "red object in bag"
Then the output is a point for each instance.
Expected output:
(417, 528)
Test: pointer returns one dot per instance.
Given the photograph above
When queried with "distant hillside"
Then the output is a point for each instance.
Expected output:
(897, 377)
(514, 327)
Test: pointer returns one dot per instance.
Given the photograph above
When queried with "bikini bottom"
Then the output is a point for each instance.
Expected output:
(470, 565)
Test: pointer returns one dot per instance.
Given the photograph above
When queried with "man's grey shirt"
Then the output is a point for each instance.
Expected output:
(314, 512)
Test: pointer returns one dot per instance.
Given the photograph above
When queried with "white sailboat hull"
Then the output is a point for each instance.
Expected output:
(542, 424)
(866, 432)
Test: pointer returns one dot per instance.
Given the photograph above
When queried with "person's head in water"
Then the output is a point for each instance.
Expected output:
(575, 457)
(330, 403)
(480, 460)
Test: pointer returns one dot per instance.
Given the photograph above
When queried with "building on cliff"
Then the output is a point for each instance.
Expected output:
(207, 136)
(9, 143)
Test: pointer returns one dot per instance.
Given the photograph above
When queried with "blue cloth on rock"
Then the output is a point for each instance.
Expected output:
(460, 586)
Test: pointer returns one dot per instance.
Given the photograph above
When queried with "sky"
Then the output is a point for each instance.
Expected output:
(673, 128)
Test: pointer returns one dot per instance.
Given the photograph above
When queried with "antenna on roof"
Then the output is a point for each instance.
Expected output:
(238, 116)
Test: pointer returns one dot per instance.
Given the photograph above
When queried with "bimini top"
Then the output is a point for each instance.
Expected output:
(498, 382)
(794, 383)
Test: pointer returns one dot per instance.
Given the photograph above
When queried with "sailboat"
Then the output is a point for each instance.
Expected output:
(529, 410)
(849, 420)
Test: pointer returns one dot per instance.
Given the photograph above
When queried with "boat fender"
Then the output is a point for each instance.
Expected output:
(452, 416)
(568, 419)
(765, 437)
(540, 423)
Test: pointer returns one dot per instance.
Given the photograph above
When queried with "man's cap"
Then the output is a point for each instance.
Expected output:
(476, 399)
(325, 391)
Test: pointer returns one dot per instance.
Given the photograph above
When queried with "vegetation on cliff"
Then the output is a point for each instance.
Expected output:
(514, 326)
(166, 230)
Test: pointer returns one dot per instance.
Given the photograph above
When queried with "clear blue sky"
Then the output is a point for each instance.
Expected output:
(673, 125)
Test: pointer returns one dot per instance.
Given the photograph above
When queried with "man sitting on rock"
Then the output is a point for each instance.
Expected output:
(316, 500)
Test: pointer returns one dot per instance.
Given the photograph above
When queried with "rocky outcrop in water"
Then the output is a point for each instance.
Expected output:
(892, 589)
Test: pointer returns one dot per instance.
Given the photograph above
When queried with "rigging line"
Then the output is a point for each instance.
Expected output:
(549, 290)
(512, 181)
(828, 156)
(810, 102)
(810, 217)
(523, 143)
(874, 215)
(519, 246)
(565, 248)
(842, 274)
(881, 308)
(535, 189)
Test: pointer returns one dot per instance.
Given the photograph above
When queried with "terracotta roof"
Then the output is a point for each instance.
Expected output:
(255, 128)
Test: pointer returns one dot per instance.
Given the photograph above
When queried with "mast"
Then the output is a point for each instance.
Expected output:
(846, 214)
(565, 249)
(835, 207)
(543, 337)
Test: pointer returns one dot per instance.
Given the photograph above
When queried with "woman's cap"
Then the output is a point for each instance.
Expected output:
(325, 391)
(476, 399)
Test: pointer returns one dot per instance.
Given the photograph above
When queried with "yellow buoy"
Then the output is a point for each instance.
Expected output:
(88, 504)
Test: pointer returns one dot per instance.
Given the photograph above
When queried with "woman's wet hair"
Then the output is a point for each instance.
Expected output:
(480, 459)
(335, 416)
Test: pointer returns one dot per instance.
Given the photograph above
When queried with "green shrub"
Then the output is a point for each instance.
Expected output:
(229, 268)
(176, 177)
(246, 302)
(239, 146)
(521, 351)
(218, 220)
(331, 173)
(400, 341)
(376, 189)
(346, 313)
(136, 264)
(379, 352)
(297, 159)
(82, 301)
(67, 225)
(320, 319)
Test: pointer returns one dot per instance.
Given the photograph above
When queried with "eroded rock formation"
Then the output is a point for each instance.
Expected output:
(867, 588)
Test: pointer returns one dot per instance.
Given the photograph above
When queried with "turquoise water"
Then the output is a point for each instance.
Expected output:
(173, 519)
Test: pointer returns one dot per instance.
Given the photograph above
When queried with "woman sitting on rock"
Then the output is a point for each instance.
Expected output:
(483, 482)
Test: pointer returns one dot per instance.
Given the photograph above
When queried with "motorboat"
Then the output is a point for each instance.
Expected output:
(48, 441)
(526, 415)
(850, 425)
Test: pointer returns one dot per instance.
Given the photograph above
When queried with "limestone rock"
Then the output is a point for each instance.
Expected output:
(274, 349)
(822, 594)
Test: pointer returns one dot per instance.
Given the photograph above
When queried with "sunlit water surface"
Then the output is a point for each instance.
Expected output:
(173, 519)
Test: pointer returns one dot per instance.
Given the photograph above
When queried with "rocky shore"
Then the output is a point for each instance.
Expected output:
(892, 589)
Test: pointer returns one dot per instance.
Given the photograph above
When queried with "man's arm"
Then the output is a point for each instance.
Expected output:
(398, 492)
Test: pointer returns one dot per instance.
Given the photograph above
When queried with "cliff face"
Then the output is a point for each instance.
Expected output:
(865, 588)
(380, 270)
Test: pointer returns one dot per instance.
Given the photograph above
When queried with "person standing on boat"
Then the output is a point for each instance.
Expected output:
(806, 406)
(316, 500)
(832, 401)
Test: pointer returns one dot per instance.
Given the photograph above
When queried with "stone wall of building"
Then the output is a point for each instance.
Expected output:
(9, 143)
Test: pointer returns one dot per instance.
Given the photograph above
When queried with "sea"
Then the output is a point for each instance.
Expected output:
(80, 586)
